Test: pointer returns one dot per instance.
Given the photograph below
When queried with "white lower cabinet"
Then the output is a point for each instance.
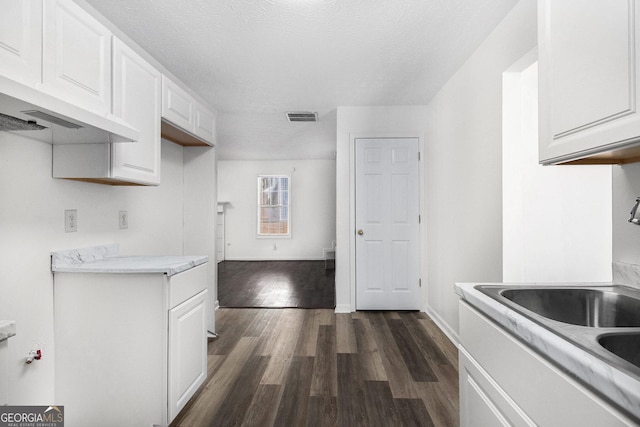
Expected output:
(130, 349)
(503, 382)
(4, 374)
(187, 367)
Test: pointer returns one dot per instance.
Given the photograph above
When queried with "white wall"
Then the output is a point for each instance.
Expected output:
(313, 206)
(32, 208)
(556, 219)
(200, 211)
(464, 164)
(360, 122)
(626, 236)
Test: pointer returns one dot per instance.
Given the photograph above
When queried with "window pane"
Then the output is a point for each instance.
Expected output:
(273, 209)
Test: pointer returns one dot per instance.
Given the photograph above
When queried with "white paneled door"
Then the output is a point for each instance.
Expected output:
(387, 224)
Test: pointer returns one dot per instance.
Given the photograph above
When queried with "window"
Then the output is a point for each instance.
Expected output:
(273, 206)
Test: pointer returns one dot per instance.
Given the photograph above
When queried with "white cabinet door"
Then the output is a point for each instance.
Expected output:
(177, 105)
(4, 374)
(482, 402)
(21, 41)
(136, 100)
(77, 57)
(589, 64)
(204, 126)
(187, 351)
(186, 116)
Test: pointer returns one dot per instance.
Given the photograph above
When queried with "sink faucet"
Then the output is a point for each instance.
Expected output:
(632, 217)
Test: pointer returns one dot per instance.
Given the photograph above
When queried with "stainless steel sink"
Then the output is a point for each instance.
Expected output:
(626, 346)
(602, 320)
(585, 307)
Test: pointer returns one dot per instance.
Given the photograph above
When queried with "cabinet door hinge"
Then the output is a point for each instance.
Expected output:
(420, 282)
(419, 219)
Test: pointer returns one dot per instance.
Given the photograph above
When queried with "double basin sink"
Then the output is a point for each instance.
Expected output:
(602, 320)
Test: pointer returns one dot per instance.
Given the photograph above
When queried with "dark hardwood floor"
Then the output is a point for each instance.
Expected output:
(276, 284)
(295, 368)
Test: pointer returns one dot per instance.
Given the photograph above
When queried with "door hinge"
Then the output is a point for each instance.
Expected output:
(418, 156)
(419, 219)
(420, 282)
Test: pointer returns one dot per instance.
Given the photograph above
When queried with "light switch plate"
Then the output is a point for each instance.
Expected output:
(123, 220)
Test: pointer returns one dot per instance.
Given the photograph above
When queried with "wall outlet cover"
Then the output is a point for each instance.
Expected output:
(70, 220)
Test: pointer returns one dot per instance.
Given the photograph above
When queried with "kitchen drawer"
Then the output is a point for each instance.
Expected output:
(184, 285)
(532, 384)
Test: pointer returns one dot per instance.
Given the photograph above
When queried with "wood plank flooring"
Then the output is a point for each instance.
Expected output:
(291, 367)
(275, 284)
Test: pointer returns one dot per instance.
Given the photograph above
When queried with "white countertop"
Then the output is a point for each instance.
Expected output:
(105, 259)
(7, 329)
(615, 385)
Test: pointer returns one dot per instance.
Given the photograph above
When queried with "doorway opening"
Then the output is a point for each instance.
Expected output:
(276, 284)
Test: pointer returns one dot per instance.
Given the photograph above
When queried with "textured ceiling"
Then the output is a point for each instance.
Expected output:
(253, 60)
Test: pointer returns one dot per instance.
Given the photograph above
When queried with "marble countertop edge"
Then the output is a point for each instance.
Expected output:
(105, 259)
(7, 329)
(169, 265)
(620, 388)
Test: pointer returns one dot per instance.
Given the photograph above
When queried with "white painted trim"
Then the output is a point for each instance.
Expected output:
(424, 271)
(444, 326)
(275, 259)
(343, 308)
(289, 234)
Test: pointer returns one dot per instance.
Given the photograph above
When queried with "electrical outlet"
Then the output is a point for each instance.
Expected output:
(70, 220)
(123, 220)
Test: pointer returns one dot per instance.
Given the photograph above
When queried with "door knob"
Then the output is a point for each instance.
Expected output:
(360, 232)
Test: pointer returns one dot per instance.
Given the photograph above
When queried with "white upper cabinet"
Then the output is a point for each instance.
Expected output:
(77, 56)
(21, 41)
(204, 123)
(136, 100)
(177, 105)
(184, 120)
(58, 57)
(588, 66)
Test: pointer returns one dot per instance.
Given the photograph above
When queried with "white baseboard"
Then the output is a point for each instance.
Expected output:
(274, 259)
(343, 308)
(444, 326)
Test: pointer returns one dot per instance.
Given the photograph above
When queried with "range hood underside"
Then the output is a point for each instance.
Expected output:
(61, 122)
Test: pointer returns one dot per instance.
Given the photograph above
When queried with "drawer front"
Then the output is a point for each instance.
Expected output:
(184, 285)
(541, 390)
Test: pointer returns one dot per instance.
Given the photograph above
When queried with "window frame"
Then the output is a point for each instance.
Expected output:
(260, 206)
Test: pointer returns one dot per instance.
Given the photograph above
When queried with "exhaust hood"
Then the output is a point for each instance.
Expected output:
(34, 114)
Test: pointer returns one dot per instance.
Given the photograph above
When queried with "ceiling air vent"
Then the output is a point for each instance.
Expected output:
(302, 116)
